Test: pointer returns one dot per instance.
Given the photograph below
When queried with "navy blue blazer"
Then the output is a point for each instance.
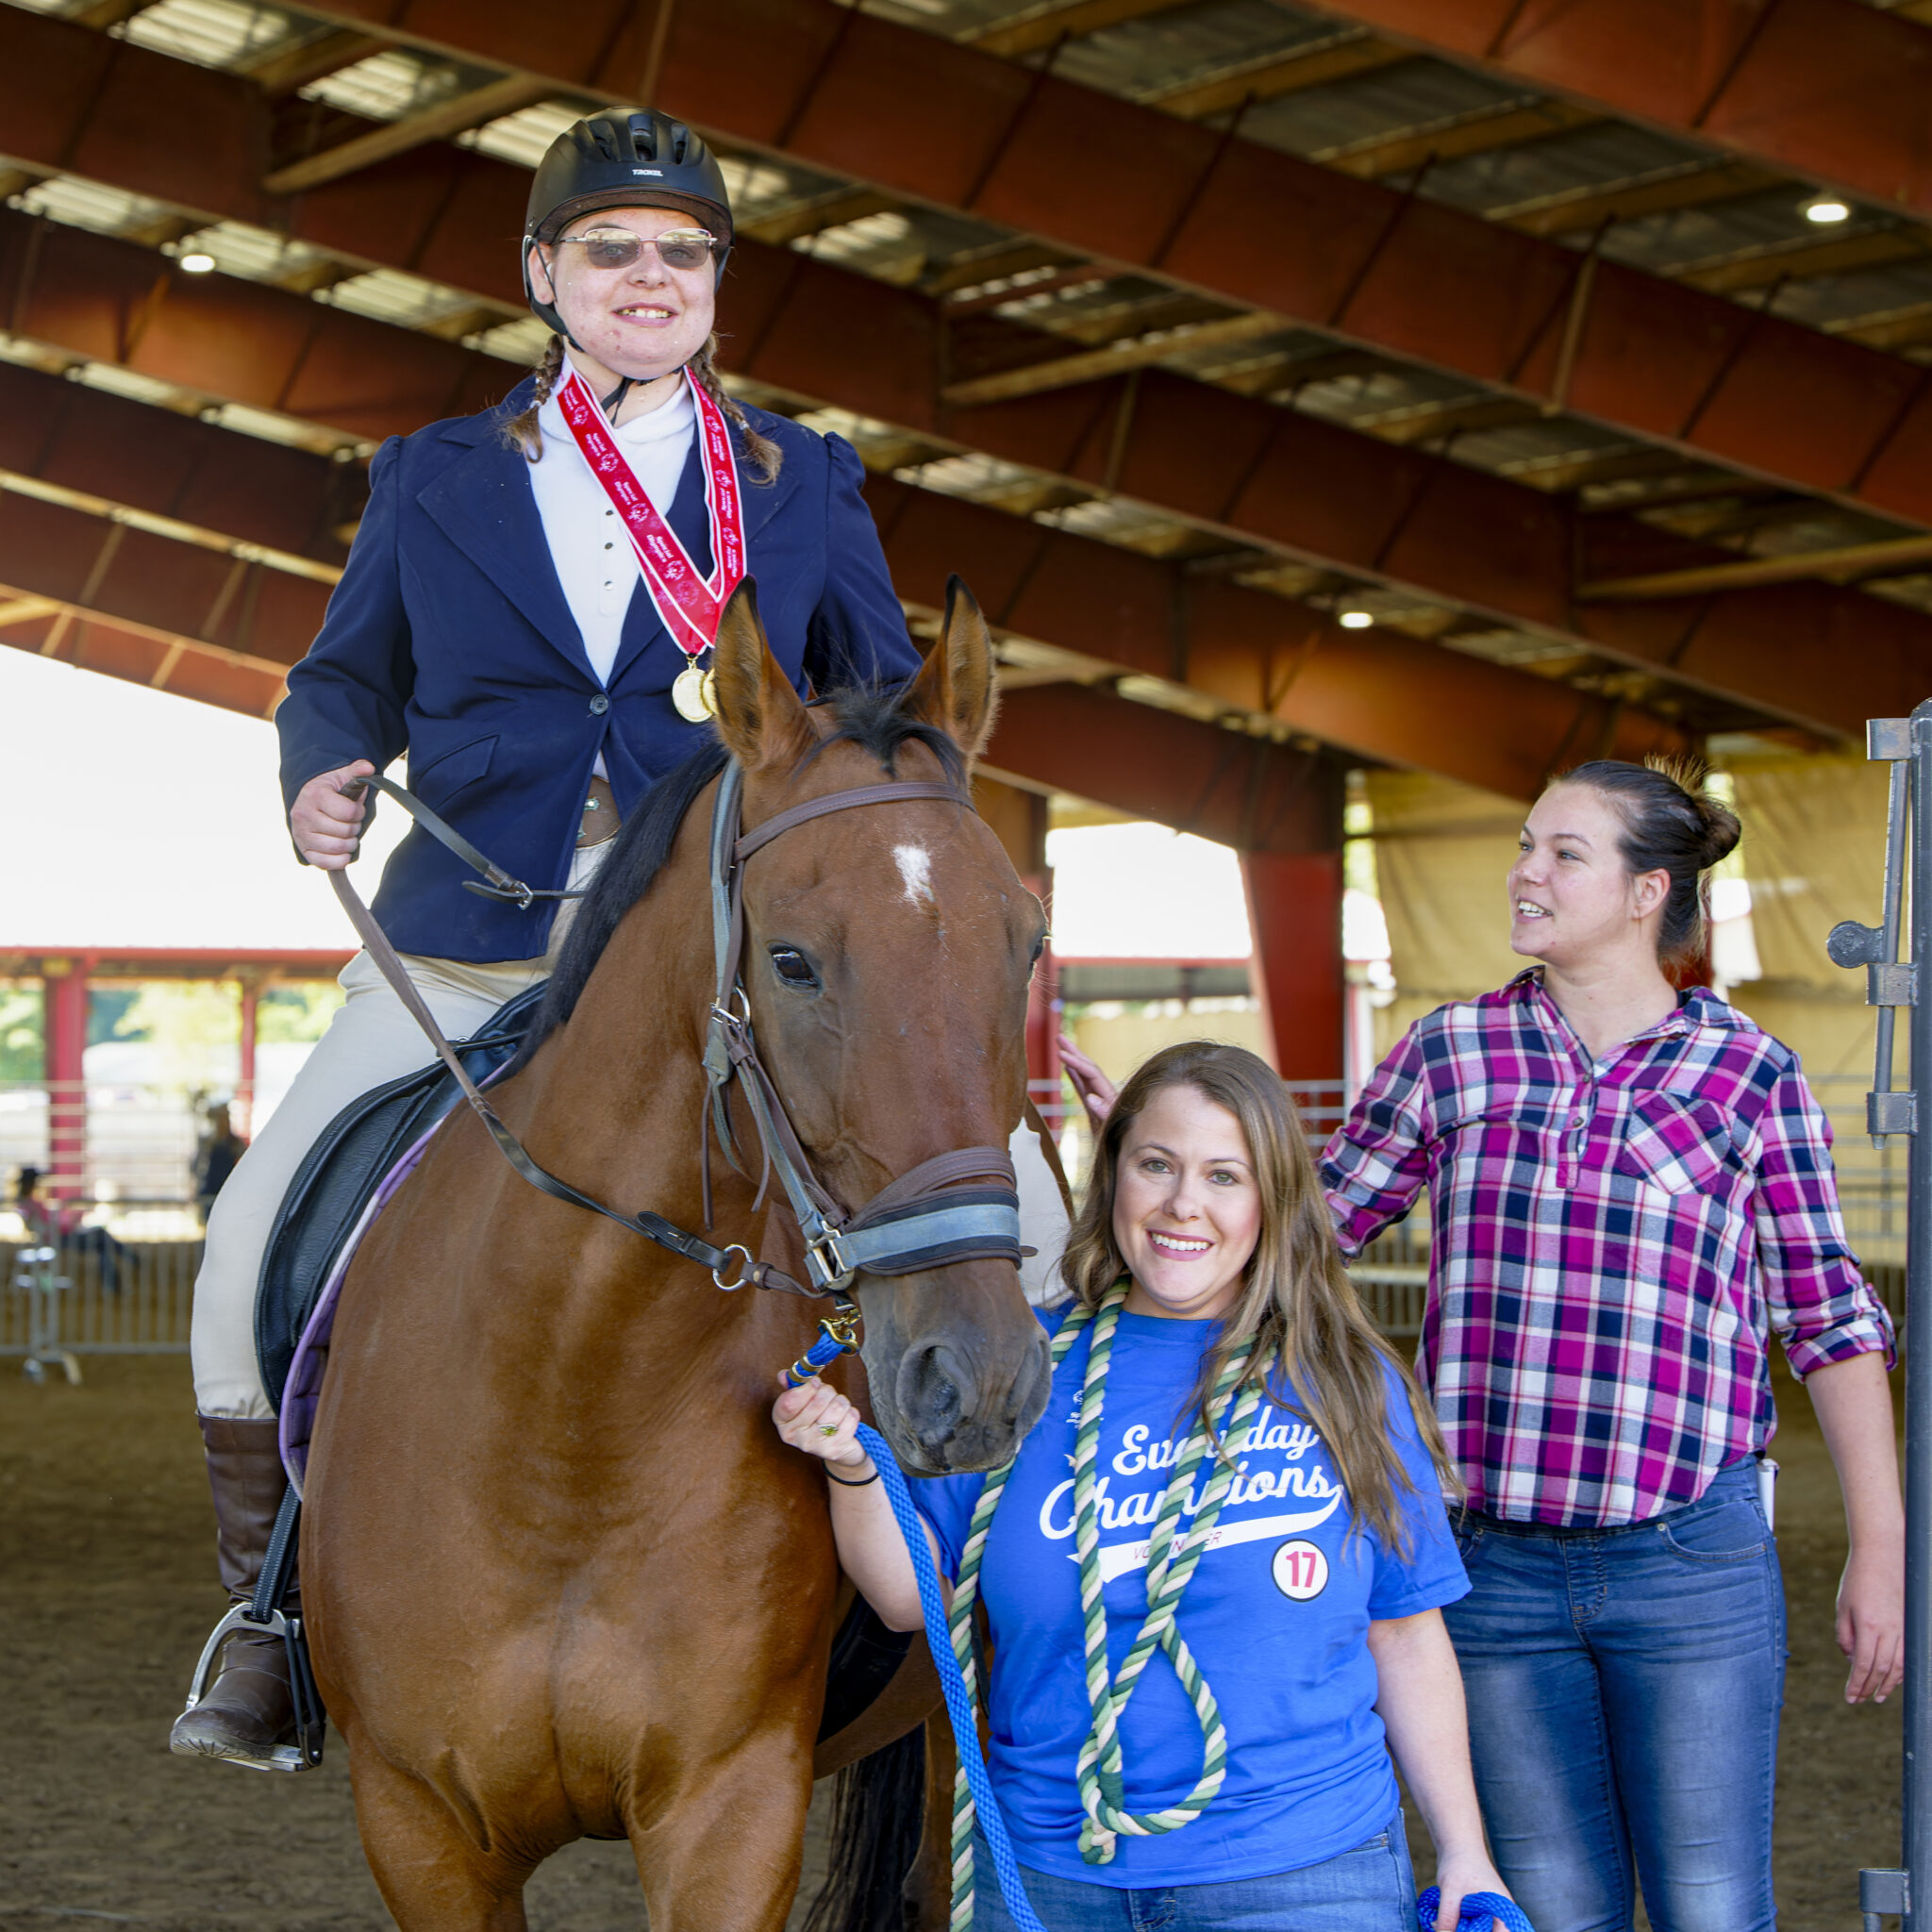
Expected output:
(449, 638)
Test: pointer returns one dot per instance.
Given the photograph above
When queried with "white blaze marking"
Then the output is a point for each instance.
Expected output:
(915, 868)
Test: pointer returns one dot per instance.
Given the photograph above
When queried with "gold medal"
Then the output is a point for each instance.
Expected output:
(695, 694)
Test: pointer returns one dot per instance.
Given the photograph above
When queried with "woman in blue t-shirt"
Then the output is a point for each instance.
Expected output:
(1210, 1306)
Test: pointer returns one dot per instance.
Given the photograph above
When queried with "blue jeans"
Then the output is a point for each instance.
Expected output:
(1370, 1889)
(1623, 1690)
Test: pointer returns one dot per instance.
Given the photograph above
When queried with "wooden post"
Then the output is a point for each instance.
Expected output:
(64, 984)
(244, 1089)
(1294, 911)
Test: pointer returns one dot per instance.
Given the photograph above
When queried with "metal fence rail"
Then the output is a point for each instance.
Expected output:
(135, 1299)
(138, 1140)
(147, 1309)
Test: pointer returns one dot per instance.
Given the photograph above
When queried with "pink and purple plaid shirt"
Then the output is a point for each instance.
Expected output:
(1612, 1242)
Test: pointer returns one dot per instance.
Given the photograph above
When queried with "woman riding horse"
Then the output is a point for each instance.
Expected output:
(489, 624)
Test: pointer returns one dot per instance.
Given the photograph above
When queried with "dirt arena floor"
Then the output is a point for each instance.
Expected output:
(106, 1595)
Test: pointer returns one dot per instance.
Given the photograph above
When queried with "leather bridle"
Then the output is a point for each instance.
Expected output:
(921, 1220)
(913, 1223)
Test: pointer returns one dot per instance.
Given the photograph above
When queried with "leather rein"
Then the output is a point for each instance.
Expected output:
(923, 1219)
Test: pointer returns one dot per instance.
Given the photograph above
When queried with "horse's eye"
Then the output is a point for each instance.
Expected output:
(1039, 948)
(793, 968)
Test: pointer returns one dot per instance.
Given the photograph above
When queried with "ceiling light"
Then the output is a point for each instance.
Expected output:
(1356, 620)
(198, 263)
(1826, 210)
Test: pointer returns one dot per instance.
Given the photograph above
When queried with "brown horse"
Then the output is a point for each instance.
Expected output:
(564, 1580)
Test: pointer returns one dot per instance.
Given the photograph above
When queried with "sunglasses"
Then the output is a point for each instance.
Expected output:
(615, 248)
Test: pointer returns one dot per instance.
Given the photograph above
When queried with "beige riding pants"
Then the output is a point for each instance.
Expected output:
(373, 1039)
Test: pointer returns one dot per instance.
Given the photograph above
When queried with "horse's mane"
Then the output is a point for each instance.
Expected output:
(863, 716)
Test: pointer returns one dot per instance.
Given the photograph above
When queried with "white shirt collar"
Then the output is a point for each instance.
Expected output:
(674, 417)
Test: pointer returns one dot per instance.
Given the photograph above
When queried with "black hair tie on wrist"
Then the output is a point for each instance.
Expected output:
(866, 1483)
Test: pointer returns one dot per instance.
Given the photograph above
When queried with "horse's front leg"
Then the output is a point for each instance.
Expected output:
(432, 1875)
(724, 1854)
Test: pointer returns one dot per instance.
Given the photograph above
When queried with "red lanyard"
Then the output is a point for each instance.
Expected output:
(690, 605)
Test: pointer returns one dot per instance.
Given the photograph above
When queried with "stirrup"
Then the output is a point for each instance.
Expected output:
(263, 1613)
(310, 1722)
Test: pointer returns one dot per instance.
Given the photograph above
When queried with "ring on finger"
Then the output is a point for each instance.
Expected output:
(828, 1428)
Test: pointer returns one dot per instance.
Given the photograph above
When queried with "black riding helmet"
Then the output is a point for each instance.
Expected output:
(635, 158)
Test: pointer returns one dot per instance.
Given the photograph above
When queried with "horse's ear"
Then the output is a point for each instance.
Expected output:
(761, 718)
(955, 688)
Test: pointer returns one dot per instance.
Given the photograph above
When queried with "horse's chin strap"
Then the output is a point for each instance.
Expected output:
(922, 1218)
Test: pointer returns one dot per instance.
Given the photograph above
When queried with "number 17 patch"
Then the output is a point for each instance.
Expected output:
(1301, 1571)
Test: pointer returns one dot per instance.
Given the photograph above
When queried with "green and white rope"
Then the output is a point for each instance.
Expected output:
(1171, 1560)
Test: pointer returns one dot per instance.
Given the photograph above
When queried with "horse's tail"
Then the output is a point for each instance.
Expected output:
(878, 1807)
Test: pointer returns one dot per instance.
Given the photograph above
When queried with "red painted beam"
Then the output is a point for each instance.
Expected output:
(1832, 90)
(1376, 692)
(244, 341)
(1820, 657)
(131, 578)
(129, 452)
(191, 963)
(182, 666)
(1221, 784)
(1248, 793)
(1294, 913)
(64, 1012)
(1817, 655)
(936, 122)
(1299, 486)
(1381, 695)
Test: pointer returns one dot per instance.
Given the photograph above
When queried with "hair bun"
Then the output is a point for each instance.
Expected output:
(1721, 829)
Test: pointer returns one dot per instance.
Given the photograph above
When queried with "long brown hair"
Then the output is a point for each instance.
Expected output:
(764, 458)
(1316, 1352)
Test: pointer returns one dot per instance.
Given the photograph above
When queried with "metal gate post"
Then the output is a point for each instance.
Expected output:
(1907, 745)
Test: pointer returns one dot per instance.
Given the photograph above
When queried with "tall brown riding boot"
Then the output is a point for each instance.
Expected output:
(247, 1710)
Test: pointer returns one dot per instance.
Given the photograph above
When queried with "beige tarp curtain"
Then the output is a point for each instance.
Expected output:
(1441, 853)
(1814, 852)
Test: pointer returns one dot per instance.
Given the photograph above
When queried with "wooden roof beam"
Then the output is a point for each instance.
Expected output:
(283, 69)
(814, 217)
(456, 115)
(1662, 191)
(1845, 564)
(1340, 57)
(1141, 351)
(1482, 131)
(1046, 25)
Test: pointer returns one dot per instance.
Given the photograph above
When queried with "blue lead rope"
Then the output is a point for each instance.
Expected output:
(1477, 1909)
(821, 1355)
(959, 1707)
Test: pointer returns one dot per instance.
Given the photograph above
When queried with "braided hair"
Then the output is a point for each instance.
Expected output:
(522, 431)
(763, 456)
(1671, 823)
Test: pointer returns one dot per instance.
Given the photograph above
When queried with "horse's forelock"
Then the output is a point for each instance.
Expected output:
(874, 721)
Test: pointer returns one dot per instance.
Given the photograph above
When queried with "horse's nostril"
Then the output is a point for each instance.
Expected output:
(934, 1393)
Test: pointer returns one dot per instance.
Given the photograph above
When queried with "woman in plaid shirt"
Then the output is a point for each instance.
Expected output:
(1630, 1189)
